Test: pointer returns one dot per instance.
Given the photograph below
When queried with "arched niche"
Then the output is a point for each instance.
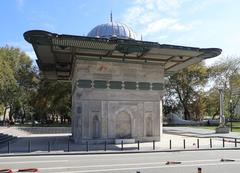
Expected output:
(123, 125)
(95, 127)
(148, 125)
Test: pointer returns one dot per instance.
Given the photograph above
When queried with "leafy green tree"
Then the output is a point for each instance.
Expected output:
(185, 90)
(226, 74)
(17, 79)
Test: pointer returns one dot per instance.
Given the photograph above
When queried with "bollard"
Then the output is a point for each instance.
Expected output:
(29, 146)
(170, 144)
(197, 143)
(223, 142)
(199, 170)
(8, 147)
(235, 141)
(184, 143)
(49, 146)
(105, 146)
(153, 144)
(87, 147)
(210, 142)
(68, 145)
(138, 145)
(122, 145)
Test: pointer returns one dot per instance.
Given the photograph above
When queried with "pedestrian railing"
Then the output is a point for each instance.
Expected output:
(69, 146)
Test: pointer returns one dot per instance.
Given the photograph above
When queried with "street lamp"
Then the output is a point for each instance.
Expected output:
(231, 110)
(221, 128)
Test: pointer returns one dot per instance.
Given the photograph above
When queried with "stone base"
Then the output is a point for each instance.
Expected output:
(222, 130)
(125, 141)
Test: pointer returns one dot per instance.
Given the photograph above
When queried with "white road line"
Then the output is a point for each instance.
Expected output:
(130, 164)
(26, 162)
(152, 167)
(103, 155)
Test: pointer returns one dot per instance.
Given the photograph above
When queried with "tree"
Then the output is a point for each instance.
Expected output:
(185, 90)
(53, 101)
(225, 73)
(17, 79)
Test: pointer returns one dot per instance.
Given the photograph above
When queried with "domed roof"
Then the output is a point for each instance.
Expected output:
(112, 29)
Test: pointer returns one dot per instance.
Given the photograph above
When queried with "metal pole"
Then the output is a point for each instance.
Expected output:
(87, 149)
(153, 144)
(8, 147)
(197, 143)
(210, 142)
(221, 98)
(105, 146)
(170, 144)
(231, 113)
(235, 141)
(184, 143)
(138, 145)
(49, 146)
(223, 142)
(68, 147)
(122, 145)
(29, 146)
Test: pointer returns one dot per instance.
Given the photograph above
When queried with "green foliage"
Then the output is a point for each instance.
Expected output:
(185, 90)
(195, 89)
(26, 94)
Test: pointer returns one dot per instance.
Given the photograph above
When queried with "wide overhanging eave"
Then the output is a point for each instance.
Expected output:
(56, 53)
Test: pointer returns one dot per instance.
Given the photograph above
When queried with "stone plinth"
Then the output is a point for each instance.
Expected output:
(222, 129)
(125, 141)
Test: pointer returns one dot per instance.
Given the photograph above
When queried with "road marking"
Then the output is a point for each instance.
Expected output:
(131, 164)
(26, 162)
(152, 167)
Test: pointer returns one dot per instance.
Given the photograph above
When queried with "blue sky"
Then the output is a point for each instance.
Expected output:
(198, 23)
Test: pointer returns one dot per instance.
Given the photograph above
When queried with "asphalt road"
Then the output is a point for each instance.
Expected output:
(209, 161)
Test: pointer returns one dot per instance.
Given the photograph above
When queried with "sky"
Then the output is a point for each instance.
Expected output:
(195, 23)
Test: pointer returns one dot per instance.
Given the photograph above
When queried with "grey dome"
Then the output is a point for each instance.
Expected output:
(112, 29)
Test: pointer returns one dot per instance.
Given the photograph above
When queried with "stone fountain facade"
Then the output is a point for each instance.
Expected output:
(117, 101)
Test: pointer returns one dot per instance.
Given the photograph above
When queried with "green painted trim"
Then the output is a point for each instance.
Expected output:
(143, 85)
(128, 85)
(84, 83)
(115, 84)
(100, 84)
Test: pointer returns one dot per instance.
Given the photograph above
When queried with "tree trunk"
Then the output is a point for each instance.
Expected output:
(186, 114)
(4, 115)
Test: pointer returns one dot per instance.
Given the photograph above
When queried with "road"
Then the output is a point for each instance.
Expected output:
(209, 161)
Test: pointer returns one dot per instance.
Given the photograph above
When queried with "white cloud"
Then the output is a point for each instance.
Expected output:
(153, 16)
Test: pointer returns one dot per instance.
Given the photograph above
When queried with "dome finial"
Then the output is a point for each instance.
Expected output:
(111, 16)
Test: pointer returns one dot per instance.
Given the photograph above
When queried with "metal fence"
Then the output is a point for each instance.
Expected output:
(59, 145)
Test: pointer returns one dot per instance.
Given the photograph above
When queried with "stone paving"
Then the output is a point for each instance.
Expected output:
(58, 143)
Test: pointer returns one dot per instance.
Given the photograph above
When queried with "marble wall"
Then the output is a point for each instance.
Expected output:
(119, 113)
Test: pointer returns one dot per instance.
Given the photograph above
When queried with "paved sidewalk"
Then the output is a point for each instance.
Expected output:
(173, 138)
(199, 132)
